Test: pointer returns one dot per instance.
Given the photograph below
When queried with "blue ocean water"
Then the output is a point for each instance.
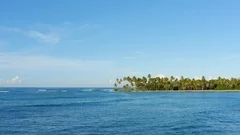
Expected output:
(87, 111)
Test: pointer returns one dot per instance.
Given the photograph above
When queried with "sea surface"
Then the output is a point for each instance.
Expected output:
(99, 111)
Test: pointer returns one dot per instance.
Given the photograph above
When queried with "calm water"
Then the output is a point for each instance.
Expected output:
(99, 111)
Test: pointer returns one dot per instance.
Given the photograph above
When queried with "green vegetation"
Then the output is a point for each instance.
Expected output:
(130, 84)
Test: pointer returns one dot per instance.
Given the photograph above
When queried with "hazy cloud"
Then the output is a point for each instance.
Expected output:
(8, 29)
(160, 76)
(47, 38)
(13, 81)
(129, 57)
(44, 37)
(138, 52)
(16, 80)
(15, 61)
(135, 55)
(54, 34)
(111, 82)
(2, 45)
(232, 57)
(83, 26)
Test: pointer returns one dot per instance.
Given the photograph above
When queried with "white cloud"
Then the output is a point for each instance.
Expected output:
(177, 77)
(53, 34)
(160, 76)
(47, 38)
(197, 78)
(135, 54)
(210, 77)
(111, 82)
(13, 81)
(200, 77)
(16, 61)
(129, 57)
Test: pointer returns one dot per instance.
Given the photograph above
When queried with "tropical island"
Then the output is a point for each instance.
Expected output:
(134, 84)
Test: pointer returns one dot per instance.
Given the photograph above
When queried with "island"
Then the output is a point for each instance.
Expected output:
(155, 84)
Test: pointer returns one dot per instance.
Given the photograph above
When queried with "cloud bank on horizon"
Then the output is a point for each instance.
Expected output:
(80, 43)
(13, 81)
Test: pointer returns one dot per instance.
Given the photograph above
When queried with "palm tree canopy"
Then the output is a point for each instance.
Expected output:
(173, 83)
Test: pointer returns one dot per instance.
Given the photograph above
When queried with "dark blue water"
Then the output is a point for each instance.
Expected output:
(29, 111)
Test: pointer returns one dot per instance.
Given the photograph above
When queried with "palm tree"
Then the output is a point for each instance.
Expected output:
(115, 87)
(124, 88)
(203, 82)
(117, 81)
(149, 76)
(121, 80)
(172, 78)
(134, 78)
(176, 84)
(144, 80)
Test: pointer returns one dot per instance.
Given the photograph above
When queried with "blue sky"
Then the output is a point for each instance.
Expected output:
(92, 42)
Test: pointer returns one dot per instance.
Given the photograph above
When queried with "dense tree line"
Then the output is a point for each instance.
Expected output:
(156, 83)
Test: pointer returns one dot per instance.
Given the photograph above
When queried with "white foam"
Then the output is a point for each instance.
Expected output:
(42, 90)
(64, 90)
(87, 89)
(4, 91)
(108, 90)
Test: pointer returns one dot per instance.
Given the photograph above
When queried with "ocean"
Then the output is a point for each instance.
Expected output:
(100, 111)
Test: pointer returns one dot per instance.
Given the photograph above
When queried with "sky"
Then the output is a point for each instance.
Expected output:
(90, 43)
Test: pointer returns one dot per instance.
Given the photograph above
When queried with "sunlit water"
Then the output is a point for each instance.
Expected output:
(29, 111)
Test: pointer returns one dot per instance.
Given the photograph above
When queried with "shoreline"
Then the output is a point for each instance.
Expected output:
(178, 91)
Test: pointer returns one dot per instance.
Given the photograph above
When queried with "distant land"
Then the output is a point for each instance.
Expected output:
(155, 84)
